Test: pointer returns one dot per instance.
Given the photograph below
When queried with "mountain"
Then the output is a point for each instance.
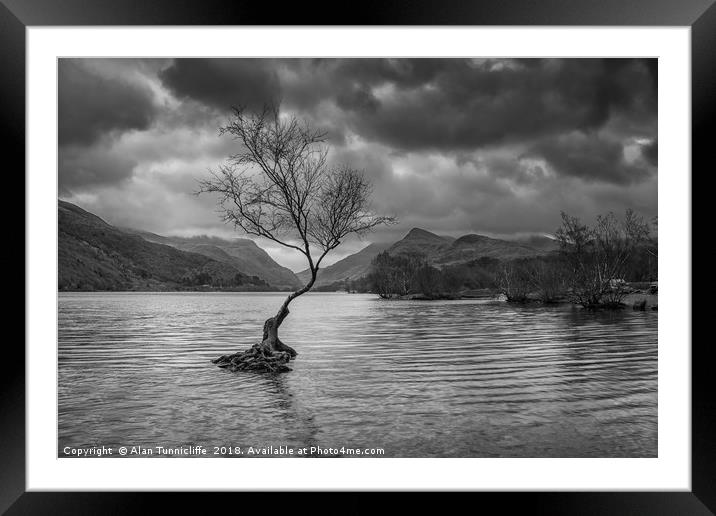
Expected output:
(351, 267)
(439, 250)
(93, 255)
(421, 242)
(443, 250)
(242, 253)
(471, 247)
(540, 242)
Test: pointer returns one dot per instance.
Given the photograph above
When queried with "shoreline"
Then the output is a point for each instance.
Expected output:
(630, 301)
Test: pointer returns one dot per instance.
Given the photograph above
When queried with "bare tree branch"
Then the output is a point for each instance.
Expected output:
(280, 186)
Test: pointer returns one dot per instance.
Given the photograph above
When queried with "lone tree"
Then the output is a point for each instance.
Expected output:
(280, 186)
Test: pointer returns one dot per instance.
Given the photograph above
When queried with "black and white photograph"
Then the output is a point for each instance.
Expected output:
(357, 257)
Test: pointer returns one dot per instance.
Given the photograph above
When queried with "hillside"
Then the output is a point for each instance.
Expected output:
(471, 247)
(241, 253)
(351, 267)
(421, 242)
(540, 243)
(93, 255)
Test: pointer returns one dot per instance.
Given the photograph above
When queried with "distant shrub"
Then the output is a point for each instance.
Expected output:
(597, 259)
(514, 282)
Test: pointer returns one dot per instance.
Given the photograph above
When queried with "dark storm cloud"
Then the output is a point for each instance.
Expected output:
(441, 104)
(590, 158)
(82, 168)
(448, 105)
(90, 105)
(456, 104)
(223, 83)
(358, 99)
(650, 151)
(310, 82)
(515, 170)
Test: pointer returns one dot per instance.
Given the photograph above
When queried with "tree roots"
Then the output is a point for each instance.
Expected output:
(269, 356)
(258, 358)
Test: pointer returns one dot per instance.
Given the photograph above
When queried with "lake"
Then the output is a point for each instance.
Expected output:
(469, 378)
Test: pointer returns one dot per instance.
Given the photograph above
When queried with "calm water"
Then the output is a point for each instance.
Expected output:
(418, 379)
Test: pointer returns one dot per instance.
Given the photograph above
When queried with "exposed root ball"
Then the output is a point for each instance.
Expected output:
(258, 358)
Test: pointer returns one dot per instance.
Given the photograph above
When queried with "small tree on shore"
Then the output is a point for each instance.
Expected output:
(428, 280)
(392, 276)
(382, 277)
(514, 282)
(547, 279)
(597, 257)
(280, 186)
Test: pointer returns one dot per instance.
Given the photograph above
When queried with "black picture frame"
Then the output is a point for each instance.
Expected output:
(700, 15)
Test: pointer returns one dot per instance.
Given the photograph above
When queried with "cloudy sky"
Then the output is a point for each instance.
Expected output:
(454, 146)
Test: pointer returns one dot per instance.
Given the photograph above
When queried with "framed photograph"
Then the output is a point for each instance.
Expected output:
(427, 244)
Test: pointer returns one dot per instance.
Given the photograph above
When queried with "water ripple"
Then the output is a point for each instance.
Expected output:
(420, 379)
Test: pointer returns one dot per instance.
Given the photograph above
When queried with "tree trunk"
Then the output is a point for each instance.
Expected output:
(270, 341)
(269, 355)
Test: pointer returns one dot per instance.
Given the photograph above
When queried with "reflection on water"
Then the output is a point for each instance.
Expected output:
(419, 379)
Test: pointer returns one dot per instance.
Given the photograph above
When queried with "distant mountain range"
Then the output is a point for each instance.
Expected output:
(242, 253)
(93, 255)
(439, 250)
